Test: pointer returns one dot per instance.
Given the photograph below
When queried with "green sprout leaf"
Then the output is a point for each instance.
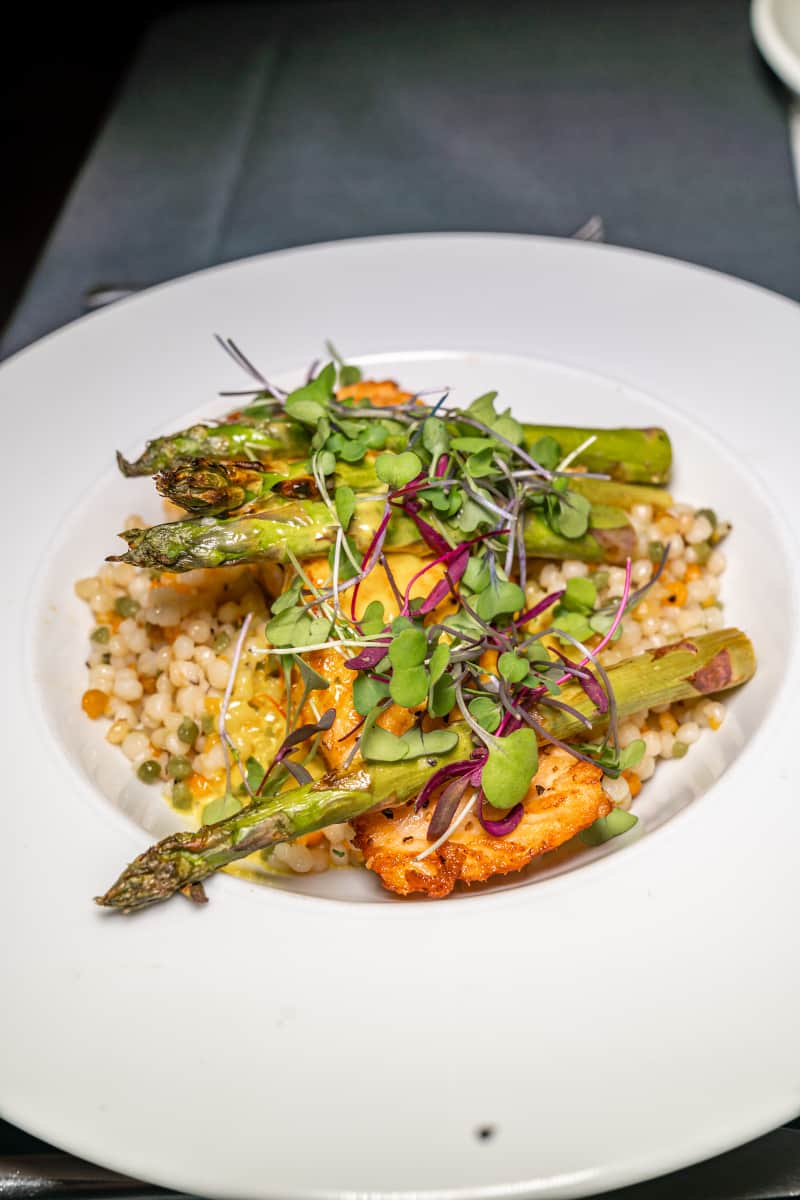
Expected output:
(326, 462)
(401, 623)
(614, 763)
(435, 439)
(441, 697)
(547, 452)
(287, 599)
(409, 686)
(487, 713)
(309, 404)
(349, 374)
(321, 435)
(408, 648)
(437, 741)
(345, 500)
(579, 596)
(379, 745)
(376, 435)
(464, 623)
(601, 622)
(482, 409)
(500, 597)
(438, 661)
(222, 807)
(438, 498)
(574, 623)
(312, 680)
(307, 412)
(632, 755)
(373, 620)
(295, 628)
(604, 828)
(254, 773)
(512, 667)
(351, 428)
(474, 444)
(571, 518)
(509, 428)
(396, 470)
(479, 465)
(471, 515)
(476, 576)
(510, 767)
(352, 451)
(367, 692)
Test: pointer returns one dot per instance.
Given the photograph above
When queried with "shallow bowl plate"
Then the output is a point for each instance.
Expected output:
(603, 1024)
(776, 29)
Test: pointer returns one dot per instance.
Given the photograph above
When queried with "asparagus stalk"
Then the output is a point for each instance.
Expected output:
(627, 455)
(240, 439)
(712, 662)
(211, 488)
(307, 528)
(183, 860)
(303, 529)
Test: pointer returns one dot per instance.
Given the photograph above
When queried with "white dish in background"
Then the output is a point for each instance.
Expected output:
(776, 29)
(609, 1023)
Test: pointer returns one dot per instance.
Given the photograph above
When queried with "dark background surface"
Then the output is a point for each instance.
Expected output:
(518, 116)
(60, 69)
(663, 118)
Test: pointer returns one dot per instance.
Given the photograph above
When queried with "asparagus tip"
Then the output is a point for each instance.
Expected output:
(127, 467)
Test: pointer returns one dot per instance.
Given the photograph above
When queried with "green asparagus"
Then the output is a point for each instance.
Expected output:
(208, 487)
(307, 528)
(710, 663)
(626, 455)
(233, 440)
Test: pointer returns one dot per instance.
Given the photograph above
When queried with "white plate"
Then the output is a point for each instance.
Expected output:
(611, 1023)
(776, 28)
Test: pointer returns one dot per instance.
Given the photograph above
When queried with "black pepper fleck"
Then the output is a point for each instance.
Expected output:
(407, 839)
(540, 791)
(432, 762)
(387, 812)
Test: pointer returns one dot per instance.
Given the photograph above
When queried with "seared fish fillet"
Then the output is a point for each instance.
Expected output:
(565, 797)
(337, 742)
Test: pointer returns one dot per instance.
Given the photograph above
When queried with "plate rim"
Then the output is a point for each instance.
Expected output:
(779, 55)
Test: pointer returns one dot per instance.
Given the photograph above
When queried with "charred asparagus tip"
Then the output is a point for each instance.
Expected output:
(125, 465)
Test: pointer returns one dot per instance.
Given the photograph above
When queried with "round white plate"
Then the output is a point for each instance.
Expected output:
(604, 1024)
(776, 28)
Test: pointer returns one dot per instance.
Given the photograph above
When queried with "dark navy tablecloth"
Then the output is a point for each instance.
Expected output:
(245, 128)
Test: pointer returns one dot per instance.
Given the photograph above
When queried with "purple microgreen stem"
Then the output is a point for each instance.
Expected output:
(507, 824)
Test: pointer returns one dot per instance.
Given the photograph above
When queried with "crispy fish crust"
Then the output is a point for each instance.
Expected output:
(565, 797)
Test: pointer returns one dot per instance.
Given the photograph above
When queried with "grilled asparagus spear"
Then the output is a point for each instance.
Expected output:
(306, 529)
(208, 487)
(626, 455)
(712, 662)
